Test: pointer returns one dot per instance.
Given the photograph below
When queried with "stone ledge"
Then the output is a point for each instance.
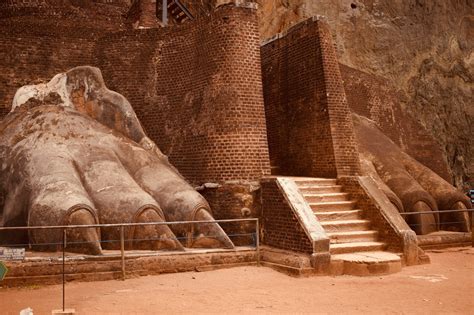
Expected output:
(365, 264)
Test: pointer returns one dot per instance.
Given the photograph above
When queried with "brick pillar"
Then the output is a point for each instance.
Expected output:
(333, 97)
(310, 131)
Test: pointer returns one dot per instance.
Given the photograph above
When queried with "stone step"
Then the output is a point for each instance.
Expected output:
(332, 206)
(321, 189)
(339, 215)
(326, 197)
(344, 248)
(311, 182)
(353, 236)
(365, 264)
(345, 225)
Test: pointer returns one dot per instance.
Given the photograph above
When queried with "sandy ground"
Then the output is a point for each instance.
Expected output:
(445, 286)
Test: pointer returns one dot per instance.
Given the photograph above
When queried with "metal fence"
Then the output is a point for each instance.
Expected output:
(444, 223)
(253, 238)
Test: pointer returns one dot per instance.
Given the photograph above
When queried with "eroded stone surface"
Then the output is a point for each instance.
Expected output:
(409, 185)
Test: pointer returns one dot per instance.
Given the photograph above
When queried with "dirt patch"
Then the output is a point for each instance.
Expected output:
(444, 286)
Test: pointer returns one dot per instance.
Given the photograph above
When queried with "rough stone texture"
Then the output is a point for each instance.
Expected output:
(235, 201)
(410, 186)
(422, 47)
(73, 153)
(373, 97)
(365, 264)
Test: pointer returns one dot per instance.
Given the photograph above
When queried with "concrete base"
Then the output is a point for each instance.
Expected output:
(67, 311)
(46, 268)
(291, 263)
(365, 264)
(445, 239)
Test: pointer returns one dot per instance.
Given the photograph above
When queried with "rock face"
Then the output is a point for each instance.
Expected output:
(421, 46)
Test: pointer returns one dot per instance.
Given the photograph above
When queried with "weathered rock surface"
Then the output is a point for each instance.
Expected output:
(423, 47)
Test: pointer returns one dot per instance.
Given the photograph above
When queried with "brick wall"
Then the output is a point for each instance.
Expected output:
(33, 51)
(309, 123)
(280, 226)
(374, 98)
(196, 88)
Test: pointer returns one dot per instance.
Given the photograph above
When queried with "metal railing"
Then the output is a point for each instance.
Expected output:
(65, 228)
(471, 217)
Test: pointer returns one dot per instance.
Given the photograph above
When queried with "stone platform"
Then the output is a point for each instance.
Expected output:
(372, 263)
(46, 268)
(365, 263)
(444, 239)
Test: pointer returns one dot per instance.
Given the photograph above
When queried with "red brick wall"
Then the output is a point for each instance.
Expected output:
(374, 98)
(33, 51)
(309, 123)
(280, 227)
(196, 88)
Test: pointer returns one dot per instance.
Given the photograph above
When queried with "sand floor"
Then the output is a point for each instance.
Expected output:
(446, 286)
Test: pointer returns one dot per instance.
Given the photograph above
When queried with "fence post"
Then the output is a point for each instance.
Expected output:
(472, 228)
(64, 264)
(257, 233)
(122, 250)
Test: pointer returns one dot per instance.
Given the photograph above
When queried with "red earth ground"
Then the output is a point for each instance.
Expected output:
(446, 286)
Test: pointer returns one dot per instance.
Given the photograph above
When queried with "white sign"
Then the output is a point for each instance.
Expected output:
(12, 253)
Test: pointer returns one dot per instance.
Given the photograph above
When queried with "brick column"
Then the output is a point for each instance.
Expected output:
(333, 97)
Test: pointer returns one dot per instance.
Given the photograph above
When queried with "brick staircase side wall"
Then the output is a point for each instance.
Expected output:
(385, 218)
(288, 223)
(280, 226)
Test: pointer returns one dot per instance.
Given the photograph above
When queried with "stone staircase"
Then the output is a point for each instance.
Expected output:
(348, 230)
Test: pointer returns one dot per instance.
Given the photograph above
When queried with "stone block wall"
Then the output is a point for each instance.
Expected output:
(309, 123)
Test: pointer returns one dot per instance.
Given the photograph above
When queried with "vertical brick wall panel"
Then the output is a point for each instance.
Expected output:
(309, 123)
(280, 227)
